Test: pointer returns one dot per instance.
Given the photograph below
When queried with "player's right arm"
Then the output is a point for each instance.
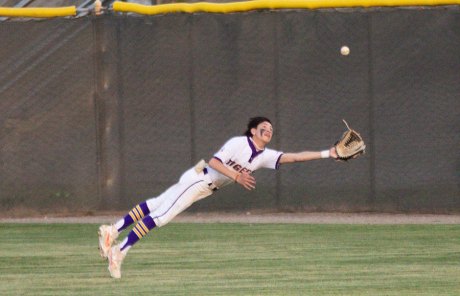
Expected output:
(244, 179)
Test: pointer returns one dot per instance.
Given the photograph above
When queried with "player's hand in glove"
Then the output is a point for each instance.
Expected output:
(351, 145)
(246, 180)
(333, 153)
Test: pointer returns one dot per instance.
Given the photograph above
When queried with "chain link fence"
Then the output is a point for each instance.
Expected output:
(101, 113)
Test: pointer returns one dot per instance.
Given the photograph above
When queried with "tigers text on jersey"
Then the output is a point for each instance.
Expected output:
(240, 154)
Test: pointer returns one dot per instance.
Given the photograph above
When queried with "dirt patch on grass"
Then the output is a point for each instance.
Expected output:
(249, 217)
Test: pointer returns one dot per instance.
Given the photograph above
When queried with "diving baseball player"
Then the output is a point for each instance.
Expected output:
(233, 163)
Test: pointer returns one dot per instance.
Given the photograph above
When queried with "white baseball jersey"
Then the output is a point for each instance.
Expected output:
(240, 154)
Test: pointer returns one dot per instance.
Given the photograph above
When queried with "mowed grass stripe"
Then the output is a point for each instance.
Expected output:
(236, 259)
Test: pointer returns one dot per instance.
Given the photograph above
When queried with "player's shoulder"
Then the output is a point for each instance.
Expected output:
(271, 151)
(238, 140)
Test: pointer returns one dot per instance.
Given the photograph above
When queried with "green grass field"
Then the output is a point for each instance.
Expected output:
(236, 259)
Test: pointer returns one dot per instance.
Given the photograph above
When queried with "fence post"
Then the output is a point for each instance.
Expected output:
(107, 112)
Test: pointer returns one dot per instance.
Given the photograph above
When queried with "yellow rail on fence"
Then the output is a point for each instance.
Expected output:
(38, 12)
(48, 12)
(268, 4)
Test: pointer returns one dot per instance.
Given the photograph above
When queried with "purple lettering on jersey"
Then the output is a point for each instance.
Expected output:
(237, 167)
(245, 170)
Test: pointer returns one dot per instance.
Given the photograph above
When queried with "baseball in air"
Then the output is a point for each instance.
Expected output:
(345, 50)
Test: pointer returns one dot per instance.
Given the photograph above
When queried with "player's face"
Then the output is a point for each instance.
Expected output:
(263, 132)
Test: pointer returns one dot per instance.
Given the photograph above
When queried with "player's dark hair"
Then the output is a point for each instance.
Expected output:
(254, 122)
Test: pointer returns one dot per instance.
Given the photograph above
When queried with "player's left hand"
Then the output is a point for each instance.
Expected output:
(247, 181)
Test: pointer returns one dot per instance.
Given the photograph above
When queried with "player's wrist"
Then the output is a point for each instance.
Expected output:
(236, 178)
(325, 153)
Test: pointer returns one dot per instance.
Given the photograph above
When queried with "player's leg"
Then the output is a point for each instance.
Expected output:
(143, 209)
(165, 213)
(175, 200)
(117, 253)
(192, 187)
(109, 233)
(181, 202)
(189, 189)
(137, 213)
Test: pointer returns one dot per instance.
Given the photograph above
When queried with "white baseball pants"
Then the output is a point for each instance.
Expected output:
(192, 187)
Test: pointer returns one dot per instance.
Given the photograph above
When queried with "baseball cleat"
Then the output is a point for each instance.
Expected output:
(115, 257)
(107, 235)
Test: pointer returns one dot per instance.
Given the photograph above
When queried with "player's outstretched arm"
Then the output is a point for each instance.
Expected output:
(244, 179)
(307, 155)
